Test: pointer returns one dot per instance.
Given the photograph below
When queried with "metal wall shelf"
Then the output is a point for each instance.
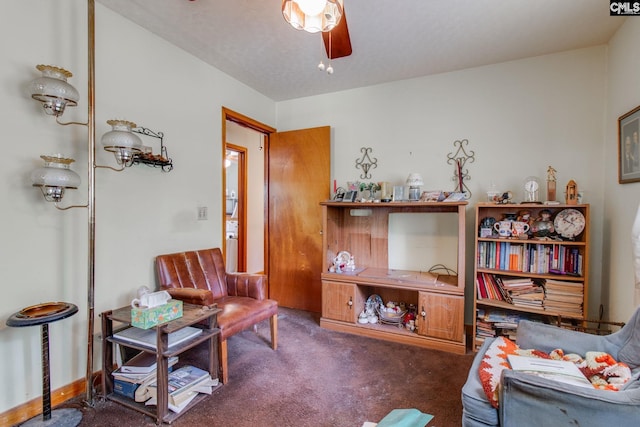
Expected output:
(162, 160)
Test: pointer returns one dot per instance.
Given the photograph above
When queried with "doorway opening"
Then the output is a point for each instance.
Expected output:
(235, 164)
(245, 197)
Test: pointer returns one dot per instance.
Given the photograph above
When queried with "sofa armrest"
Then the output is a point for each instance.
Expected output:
(529, 400)
(192, 295)
(247, 285)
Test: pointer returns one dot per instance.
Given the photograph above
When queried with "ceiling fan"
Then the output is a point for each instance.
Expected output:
(326, 16)
(337, 42)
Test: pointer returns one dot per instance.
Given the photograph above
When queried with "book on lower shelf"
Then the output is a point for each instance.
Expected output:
(183, 385)
(137, 378)
(148, 337)
(142, 363)
(494, 322)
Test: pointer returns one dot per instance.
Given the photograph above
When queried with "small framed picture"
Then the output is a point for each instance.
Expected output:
(398, 193)
(629, 147)
(431, 196)
(350, 196)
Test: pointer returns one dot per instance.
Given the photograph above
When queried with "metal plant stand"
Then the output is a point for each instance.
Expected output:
(43, 314)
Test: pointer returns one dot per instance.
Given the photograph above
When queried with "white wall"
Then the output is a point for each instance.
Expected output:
(140, 213)
(519, 117)
(621, 200)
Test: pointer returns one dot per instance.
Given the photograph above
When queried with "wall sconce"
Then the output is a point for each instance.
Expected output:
(414, 181)
(312, 15)
(122, 142)
(53, 90)
(54, 177)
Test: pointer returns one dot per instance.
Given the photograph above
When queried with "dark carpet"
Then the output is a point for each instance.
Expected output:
(316, 378)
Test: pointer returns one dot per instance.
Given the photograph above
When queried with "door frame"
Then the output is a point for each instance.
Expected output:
(267, 131)
(242, 204)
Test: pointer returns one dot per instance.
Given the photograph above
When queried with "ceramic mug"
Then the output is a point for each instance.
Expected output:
(503, 228)
(519, 227)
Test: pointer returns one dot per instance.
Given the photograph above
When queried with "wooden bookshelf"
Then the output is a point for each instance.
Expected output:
(541, 259)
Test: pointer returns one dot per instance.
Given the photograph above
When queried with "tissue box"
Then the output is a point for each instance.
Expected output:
(145, 318)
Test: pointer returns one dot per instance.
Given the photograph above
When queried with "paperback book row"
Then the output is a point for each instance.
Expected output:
(555, 296)
(492, 323)
(530, 258)
(137, 380)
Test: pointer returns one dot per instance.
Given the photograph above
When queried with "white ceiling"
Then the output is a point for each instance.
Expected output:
(392, 39)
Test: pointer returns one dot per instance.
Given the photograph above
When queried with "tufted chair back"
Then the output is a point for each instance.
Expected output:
(202, 269)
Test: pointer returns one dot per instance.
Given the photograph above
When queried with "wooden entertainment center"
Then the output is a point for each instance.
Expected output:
(362, 229)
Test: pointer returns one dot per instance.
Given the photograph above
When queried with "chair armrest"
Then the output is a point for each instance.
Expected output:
(247, 285)
(529, 400)
(192, 295)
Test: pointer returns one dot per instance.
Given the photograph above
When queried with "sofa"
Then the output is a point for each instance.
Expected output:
(199, 277)
(530, 400)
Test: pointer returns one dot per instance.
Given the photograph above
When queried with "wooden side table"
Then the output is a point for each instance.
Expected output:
(43, 314)
(204, 317)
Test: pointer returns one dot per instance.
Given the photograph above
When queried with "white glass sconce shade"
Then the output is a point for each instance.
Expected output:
(54, 177)
(53, 90)
(312, 15)
(120, 141)
(414, 181)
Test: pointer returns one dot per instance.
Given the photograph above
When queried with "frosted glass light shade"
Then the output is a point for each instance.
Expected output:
(312, 15)
(53, 90)
(414, 180)
(123, 143)
(54, 177)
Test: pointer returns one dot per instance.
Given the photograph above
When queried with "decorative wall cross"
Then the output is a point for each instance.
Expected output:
(366, 163)
(460, 159)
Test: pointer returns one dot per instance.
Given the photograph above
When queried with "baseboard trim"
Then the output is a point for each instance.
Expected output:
(33, 407)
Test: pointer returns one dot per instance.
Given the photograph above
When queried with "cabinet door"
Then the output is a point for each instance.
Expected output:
(441, 316)
(339, 301)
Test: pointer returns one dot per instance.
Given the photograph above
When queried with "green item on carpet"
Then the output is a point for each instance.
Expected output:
(405, 418)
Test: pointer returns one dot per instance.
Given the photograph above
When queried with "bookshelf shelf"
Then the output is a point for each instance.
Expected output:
(193, 315)
(514, 273)
(547, 263)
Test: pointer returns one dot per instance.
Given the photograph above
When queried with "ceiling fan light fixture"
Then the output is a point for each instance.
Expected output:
(312, 15)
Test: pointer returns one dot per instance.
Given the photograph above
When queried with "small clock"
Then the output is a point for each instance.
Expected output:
(569, 223)
(531, 189)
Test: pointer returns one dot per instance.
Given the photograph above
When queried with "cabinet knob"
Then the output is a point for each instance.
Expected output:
(423, 313)
(350, 303)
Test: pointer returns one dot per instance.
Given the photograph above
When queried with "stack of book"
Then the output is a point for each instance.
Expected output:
(140, 369)
(564, 297)
(185, 384)
(525, 292)
(519, 291)
(492, 323)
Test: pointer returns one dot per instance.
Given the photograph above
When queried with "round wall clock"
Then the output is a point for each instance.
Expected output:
(569, 223)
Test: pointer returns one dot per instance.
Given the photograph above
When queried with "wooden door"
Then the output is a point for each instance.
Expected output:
(299, 179)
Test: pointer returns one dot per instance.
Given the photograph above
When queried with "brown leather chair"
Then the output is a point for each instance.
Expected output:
(199, 277)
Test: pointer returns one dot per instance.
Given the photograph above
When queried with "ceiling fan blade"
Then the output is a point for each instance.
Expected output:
(340, 40)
